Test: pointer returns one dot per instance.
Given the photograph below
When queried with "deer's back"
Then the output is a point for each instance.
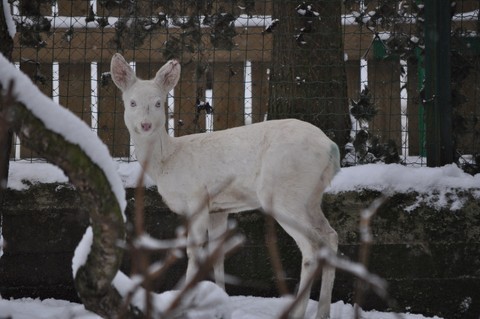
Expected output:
(229, 168)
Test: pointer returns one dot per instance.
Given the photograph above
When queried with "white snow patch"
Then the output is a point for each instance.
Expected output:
(1, 242)
(394, 177)
(22, 174)
(82, 251)
(205, 301)
(130, 174)
(402, 179)
(239, 307)
(28, 308)
(436, 186)
(12, 28)
(384, 35)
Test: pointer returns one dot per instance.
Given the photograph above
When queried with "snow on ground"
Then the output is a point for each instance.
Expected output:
(402, 179)
(432, 182)
(240, 307)
(381, 177)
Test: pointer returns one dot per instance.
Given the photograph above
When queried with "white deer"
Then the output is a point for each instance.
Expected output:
(281, 167)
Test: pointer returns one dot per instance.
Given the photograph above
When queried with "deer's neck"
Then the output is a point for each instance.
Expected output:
(153, 149)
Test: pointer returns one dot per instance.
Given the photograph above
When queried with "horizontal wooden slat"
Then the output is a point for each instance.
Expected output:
(96, 45)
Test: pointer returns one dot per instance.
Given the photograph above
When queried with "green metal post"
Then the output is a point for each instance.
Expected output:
(438, 95)
(421, 107)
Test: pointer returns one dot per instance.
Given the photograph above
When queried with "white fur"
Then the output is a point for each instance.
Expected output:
(281, 167)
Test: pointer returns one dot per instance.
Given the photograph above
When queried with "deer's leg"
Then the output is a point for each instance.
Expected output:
(330, 238)
(302, 234)
(197, 235)
(217, 226)
(311, 231)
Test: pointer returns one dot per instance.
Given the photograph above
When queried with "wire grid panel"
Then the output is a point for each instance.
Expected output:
(69, 60)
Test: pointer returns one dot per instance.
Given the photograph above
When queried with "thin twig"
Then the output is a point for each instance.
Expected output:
(272, 245)
(202, 271)
(301, 293)
(171, 259)
(140, 257)
(364, 251)
(6, 102)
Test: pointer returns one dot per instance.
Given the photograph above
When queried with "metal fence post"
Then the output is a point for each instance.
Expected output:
(438, 106)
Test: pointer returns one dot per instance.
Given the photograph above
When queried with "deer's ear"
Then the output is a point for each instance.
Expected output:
(122, 74)
(168, 75)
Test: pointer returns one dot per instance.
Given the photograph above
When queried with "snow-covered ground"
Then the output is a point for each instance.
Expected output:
(437, 182)
(391, 178)
(240, 308)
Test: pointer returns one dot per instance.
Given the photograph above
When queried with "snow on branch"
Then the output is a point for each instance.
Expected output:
(64, 140)
(12, 29)
(63, 122)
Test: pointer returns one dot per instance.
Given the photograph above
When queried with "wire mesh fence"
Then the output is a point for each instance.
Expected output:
(226, 49)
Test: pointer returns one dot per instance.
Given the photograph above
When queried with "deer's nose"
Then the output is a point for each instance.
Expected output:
(146, 126)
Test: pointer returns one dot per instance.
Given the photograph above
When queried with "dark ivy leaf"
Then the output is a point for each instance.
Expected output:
(91, 15)
(106, 78)
(203, 106)
(102, 22)
(269, 28)
(363, 108)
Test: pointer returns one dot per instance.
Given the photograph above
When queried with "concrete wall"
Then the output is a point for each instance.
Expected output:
(430, 257)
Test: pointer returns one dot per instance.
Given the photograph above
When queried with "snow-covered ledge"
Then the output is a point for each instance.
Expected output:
(434, 185)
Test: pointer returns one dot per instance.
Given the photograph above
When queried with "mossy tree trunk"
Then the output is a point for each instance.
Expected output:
(6, 135)
(307, 77)
(93, 279)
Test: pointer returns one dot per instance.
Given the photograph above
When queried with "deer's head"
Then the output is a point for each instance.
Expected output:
(144, 100)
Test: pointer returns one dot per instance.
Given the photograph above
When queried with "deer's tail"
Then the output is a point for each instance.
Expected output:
(333, 165)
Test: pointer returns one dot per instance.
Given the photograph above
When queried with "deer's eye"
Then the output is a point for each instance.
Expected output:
(133, 103)
(158, 104)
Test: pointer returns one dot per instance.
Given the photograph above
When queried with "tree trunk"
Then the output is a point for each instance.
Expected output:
(307, 78)
(6, 134)
(93, 279)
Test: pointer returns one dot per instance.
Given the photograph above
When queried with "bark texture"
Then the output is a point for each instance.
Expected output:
(307, 78)
(93, 280)
(6, 134)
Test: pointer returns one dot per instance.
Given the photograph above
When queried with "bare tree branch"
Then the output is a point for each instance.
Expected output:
(93, 279)
(271, 241)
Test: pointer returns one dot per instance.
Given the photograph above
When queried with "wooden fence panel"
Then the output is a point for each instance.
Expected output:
(147, 70)
(466, 116)
(73, 8)
(356, 41)
(75, 88)
(263, 7)
(111, 127)
(413, 111)
(228, 94)
(41, 75)
(384, 81)
(260, 91)
(185, 94)
(352, 70)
